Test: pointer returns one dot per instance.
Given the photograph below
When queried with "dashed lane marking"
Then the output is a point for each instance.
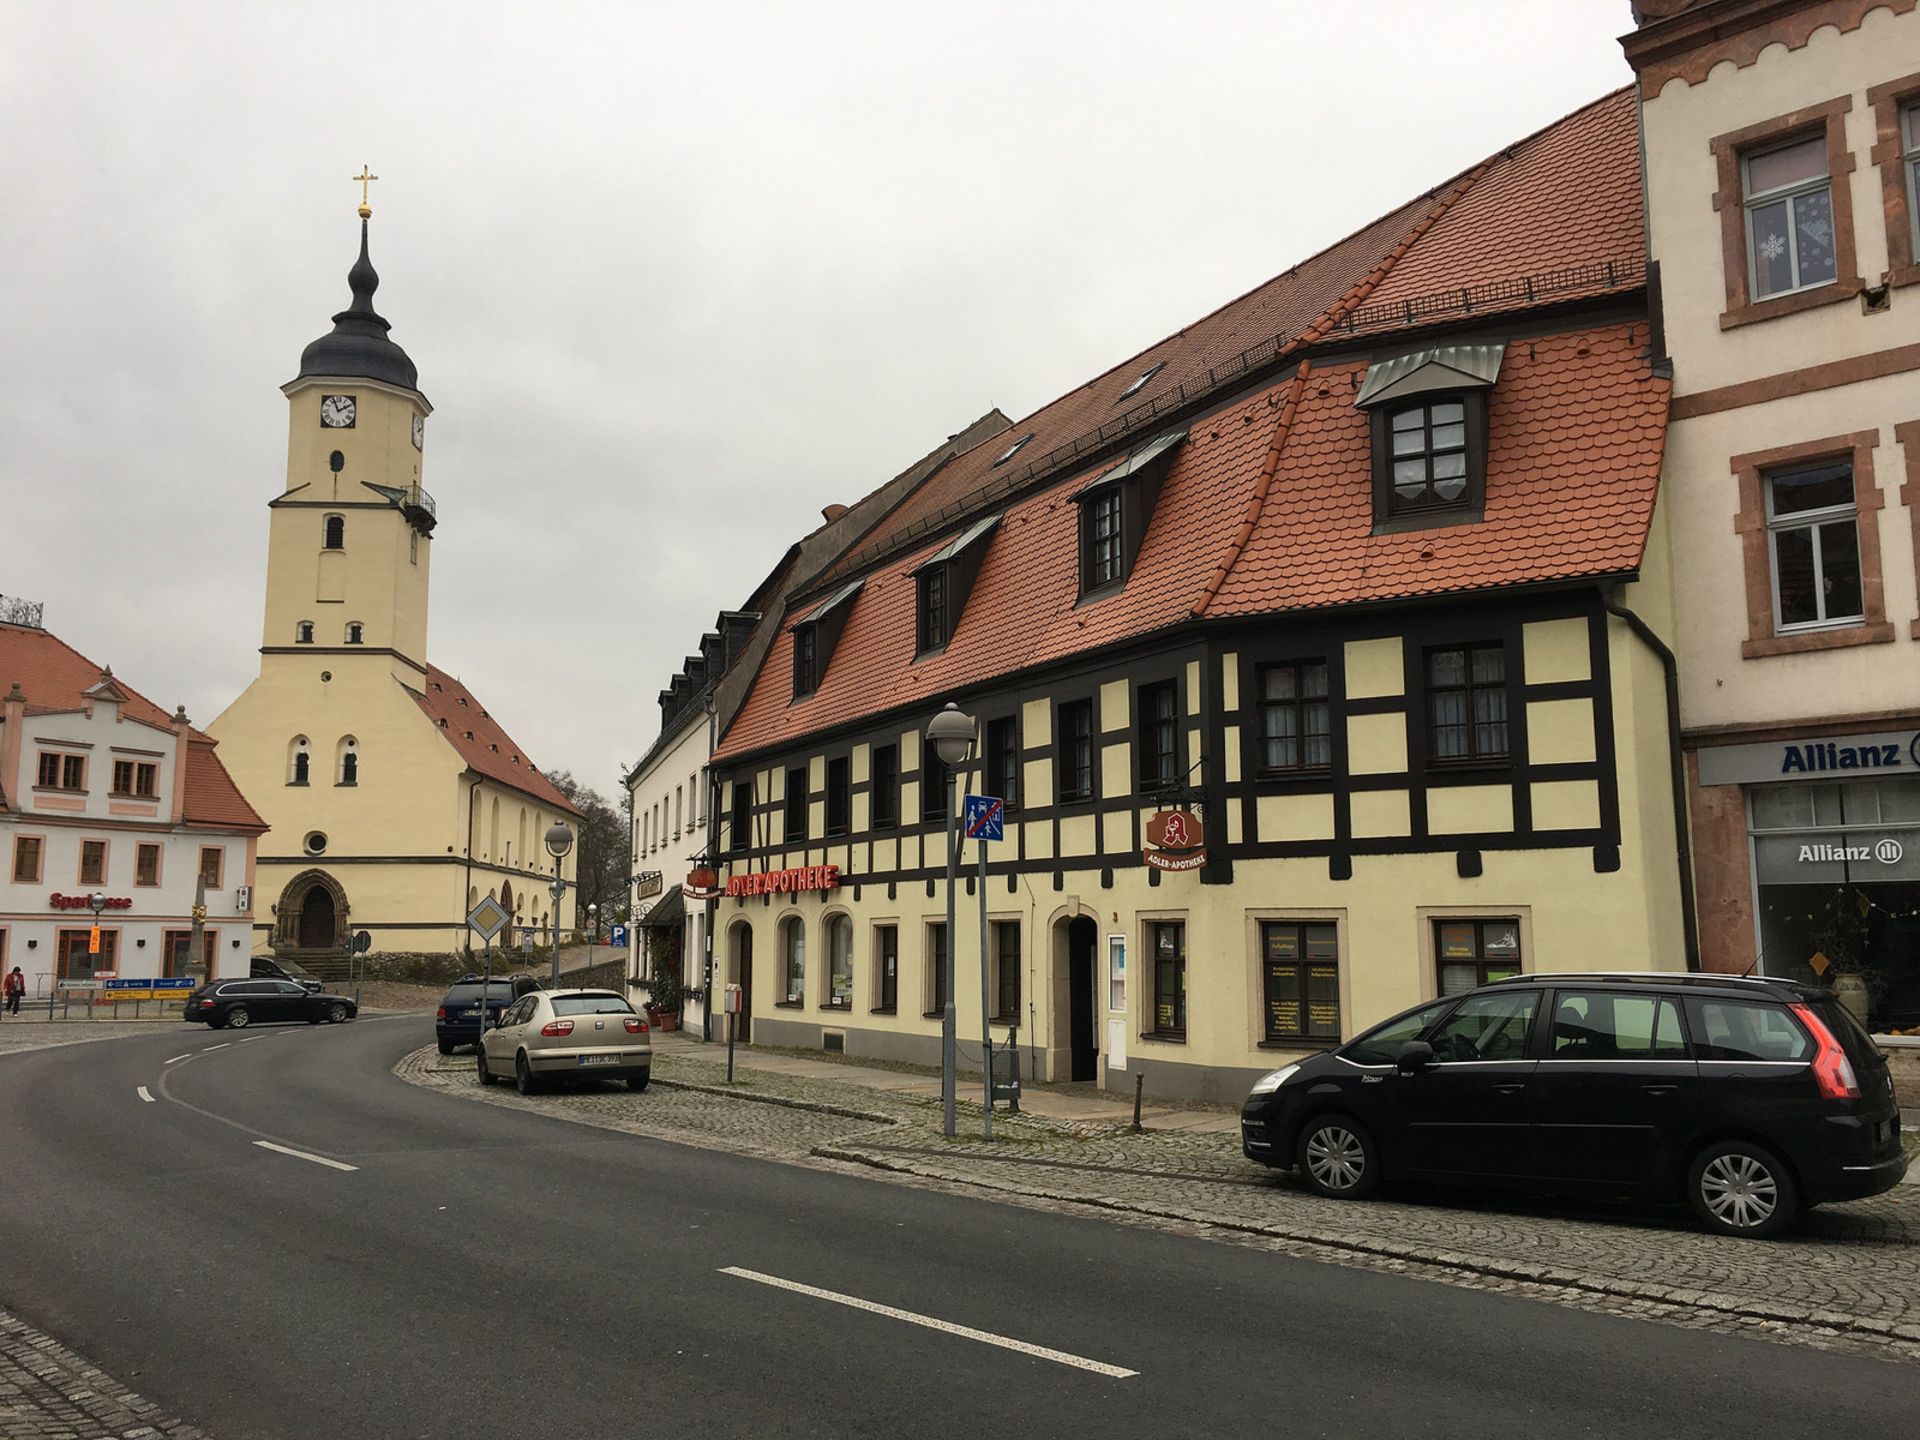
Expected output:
(304, 1155)
(145, 1094)
(178, 1058)
(208, 1049)
(965, 1332)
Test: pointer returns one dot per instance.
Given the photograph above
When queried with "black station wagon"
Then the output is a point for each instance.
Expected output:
(1752, 1099)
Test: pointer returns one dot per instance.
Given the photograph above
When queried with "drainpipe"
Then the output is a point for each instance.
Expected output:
(1677, 774)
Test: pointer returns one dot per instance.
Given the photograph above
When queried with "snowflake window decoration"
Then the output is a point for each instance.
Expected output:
(1773, 247)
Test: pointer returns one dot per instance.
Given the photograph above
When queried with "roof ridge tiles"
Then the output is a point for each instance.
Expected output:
(1257, 498)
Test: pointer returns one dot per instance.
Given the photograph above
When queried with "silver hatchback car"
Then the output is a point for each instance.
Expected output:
(555, 1034)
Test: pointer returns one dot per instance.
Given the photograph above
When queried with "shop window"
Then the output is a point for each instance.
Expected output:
(1467, 704)
(75, 960)
(793, 959)
(1158, 741)
(1786, 214)
(839, 795)
(839, 963)
(1300, 980)
(885, 787)
(1814, 535)
(935, 988)
(795, 830)
(146, 865)
(1073, 768)
(1168, 940)
(1003, 760)
(1006, 972)
(1295, 732)
(1475, 952)
(27, 850)
(93, 862)
(886, 966)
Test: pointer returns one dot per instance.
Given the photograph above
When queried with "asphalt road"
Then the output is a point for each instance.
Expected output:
(485, 1272)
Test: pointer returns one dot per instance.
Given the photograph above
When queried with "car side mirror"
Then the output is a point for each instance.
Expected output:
(1414, 1055)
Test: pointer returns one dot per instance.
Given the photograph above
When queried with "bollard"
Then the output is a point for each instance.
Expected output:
(1139, 1080)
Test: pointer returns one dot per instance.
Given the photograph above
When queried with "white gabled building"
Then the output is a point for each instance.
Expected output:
(102, 792)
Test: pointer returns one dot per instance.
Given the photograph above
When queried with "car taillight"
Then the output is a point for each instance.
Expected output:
(635, 1025)
(557, 1027)
(1831, 1068)
(206, 1004)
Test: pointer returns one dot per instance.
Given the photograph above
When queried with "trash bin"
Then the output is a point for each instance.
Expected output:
(1006, 1071)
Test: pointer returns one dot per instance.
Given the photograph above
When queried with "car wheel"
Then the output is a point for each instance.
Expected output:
(1739, 1188)
(446, 1047)
(1337, 1158)
(239, 1018)
(487, 1077)
(638, 1082)
(523, 1075)
(336, 1013)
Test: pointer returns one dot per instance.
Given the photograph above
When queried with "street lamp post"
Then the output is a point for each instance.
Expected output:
(559, 842)
(96, 902)
(593, 927)
(951, 735)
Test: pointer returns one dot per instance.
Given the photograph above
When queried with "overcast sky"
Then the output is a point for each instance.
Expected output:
(675, 275)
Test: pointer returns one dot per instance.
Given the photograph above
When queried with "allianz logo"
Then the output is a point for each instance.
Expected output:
(1887, 852)
(1805, 759)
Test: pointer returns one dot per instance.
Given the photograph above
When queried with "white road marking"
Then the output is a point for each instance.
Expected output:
(966, 1332)
(178, 1058)
(303, 1155)
(204, 1049)
(251, 1038)
(145, 1094)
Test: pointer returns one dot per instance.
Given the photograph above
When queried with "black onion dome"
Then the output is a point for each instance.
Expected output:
(358, 344)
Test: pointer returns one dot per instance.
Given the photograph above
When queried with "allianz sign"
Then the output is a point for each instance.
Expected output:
(1804, 759)
(1888, 852)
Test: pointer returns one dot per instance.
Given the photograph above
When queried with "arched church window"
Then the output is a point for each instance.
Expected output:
(299, 759)
(336, 533)
(303, 633)
(349, 761)
(356, 632)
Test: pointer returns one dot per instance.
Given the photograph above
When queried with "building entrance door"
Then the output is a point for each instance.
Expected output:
(316, 920)
(1082, 1036)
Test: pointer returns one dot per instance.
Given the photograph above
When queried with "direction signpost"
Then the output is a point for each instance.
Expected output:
(985, 819)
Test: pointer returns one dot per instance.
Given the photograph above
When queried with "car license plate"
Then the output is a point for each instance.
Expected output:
(599, 1059)
(469, 1014)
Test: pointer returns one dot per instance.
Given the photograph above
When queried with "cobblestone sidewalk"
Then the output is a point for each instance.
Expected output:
(49, 1393)
(1848, 1276)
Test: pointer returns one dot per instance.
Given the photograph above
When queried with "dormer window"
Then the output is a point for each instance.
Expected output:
(1429, 422)
(1115, 510)
(944, 580)
(814, 636)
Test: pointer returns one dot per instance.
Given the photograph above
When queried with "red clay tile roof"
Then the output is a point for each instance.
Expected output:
(1553, 217)
(486, 748)
(1268, 506)
(54, 677)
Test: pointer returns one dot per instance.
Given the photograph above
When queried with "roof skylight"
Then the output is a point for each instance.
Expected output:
(1013, 449)
(1146, 375)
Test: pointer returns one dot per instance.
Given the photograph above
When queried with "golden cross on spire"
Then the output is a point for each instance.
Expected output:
(365, 176)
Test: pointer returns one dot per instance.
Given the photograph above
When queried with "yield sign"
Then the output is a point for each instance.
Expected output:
(488, 917)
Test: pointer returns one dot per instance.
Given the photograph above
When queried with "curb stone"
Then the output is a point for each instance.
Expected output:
(819, 1107)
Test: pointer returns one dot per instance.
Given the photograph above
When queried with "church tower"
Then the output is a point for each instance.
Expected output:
(395, 800)
(351, 536)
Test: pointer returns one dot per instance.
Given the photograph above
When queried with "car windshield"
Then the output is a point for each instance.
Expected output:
(294, 972)
(591, 1005)
(1381, 1045)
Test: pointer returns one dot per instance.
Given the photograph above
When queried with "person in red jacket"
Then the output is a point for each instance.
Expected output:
(16, 988)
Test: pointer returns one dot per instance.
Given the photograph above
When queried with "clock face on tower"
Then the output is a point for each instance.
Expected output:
(419, 431)
(336, 412)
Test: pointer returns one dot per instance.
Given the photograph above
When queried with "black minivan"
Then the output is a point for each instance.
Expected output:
(1750, 1098)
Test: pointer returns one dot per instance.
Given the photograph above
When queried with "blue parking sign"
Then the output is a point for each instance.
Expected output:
(986, 817)
(617, 935)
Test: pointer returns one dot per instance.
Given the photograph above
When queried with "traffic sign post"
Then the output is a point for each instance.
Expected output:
(489, 918)
(985, 819)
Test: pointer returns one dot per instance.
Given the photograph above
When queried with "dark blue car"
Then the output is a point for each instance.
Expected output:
(457, 1021)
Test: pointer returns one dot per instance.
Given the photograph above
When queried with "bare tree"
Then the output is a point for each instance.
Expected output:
(600, 851)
